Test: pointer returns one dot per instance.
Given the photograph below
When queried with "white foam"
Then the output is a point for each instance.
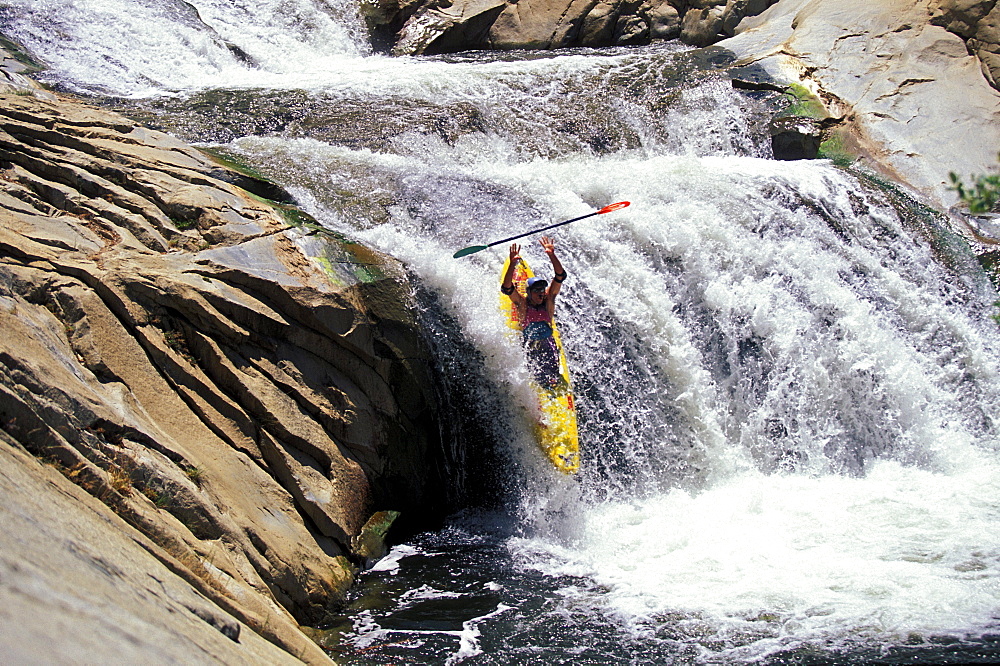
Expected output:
(870, 377)
(810, 559)
(390, 563)
(425, 592)
(368, 633)
(469, 636)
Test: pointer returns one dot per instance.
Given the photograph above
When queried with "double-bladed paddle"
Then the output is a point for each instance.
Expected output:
(476, 248)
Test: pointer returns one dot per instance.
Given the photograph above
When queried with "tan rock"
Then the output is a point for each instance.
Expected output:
(79, 584)
(437, 27)
(664, 20)
(448, 27)
(235, 399)
(539, 24)
(986, 45)
(702, 27)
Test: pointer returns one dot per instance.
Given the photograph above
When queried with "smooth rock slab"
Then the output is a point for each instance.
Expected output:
(79, 586)
(918, 101)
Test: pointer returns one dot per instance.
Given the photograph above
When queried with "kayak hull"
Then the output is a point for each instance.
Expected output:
(555, 418)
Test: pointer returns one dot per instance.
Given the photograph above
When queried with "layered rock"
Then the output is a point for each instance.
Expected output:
(80, 585)
(240, 394)
(442, 26)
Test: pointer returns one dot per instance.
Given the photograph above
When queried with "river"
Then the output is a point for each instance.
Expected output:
(787, 373)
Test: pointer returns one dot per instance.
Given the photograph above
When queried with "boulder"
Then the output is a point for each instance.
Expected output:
(541, 24)
(448, 27)
(795, 138)
(664, 20)
(439, 26)
(702, 26)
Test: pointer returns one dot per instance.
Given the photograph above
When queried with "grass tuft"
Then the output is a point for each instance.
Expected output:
(195, 474)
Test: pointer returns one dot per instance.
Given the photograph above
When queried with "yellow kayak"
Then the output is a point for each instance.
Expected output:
(556, 417)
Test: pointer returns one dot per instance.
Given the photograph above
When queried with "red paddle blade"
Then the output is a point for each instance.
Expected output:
(614, 206)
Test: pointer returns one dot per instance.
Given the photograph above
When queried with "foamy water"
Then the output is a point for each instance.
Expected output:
(834, 487)
(790, 560)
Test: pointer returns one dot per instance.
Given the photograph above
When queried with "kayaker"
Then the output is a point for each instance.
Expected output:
(535, 311)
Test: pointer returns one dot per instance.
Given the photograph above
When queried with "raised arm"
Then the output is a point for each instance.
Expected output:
(507, 287)
(560, 274)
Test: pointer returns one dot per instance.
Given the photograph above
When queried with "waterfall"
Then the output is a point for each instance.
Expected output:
(786, 399)
(147, 47)
(787, 390)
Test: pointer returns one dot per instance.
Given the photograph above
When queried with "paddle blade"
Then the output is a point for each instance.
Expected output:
(469, 250)
(613, 207)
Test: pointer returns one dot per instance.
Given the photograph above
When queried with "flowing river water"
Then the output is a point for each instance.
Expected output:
(787, 374)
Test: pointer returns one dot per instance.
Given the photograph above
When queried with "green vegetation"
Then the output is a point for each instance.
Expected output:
(949, 247)
(22, 56)
(835, 149)
(295, 216)
(230, 161)
(982, 196)
(194, 473)
(182, 224)
(120, 480)
(802, 102)
(342, 257)
(160, 497)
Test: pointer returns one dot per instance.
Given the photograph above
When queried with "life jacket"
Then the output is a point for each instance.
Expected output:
(537, 322)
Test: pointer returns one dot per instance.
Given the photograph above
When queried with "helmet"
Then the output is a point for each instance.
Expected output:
(537, 283)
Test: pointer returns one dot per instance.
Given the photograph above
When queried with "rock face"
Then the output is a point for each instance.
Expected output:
(81, 585)
(441, 26)
(240, 395)
(906, 92)
(978, 23)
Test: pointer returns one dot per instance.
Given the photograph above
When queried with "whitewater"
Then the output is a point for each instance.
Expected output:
(787, 372)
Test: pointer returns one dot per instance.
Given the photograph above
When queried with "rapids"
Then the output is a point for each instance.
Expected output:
(787, 372)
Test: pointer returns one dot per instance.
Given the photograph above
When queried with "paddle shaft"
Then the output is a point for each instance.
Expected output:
(479, 248)
(551, 226)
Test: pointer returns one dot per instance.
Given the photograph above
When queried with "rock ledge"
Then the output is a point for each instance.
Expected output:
(237, 397)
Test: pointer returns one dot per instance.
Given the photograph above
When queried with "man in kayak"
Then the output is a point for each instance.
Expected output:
(535, 311)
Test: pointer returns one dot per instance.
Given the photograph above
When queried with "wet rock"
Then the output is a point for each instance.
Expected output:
(370, 544)
(795, 138)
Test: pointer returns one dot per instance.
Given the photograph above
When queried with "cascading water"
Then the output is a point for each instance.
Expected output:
(151, 47)
(787, 397)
